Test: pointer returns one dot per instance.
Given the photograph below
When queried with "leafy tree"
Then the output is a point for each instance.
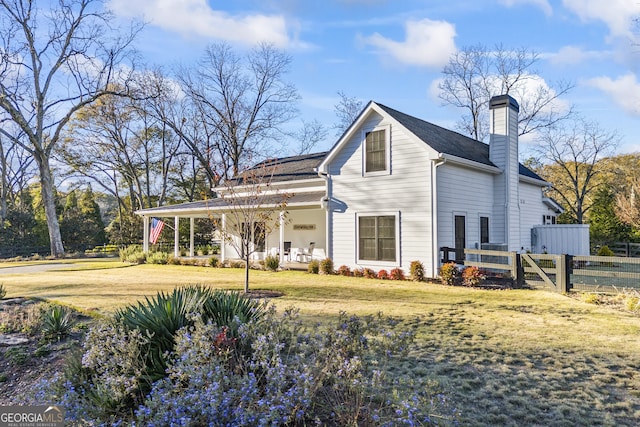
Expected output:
(474, 74)
(605, 225)
(570, 155)
(56, 58)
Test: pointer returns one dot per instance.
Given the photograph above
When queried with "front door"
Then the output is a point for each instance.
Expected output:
(460, 234)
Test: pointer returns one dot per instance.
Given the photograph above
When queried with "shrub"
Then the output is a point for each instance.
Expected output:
(157, 258)
(397, 274)
(605, 251)
(326, 266)
(383, 275)
(369, 273)
(449, 274)
(236, 264)
(281, 382)
(313, 267)
(57, 322)
(132, 254)
(417, 271)
(272, 263)
(214, 262)
(472, 276)
(344, 270)
(632, 303)
(358, 272)
(3, 291)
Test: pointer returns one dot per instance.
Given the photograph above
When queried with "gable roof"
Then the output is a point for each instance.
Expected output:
(449, 142)
(442, 140)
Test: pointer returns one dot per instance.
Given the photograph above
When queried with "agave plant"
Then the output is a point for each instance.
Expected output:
(160, 317)
(57, 321)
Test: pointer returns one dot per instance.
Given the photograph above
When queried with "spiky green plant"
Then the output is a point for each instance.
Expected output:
(57, 321)
(3, 291)
(160, 317)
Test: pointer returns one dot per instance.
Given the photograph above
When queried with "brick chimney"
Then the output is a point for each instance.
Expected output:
(503, 152)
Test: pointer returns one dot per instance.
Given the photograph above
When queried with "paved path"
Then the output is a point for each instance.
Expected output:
(26, 269)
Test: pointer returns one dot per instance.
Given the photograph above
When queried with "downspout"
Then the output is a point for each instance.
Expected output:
(435, 250)
(325, 202)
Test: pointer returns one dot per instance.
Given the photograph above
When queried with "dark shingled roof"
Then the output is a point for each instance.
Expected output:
(449, 142)
(291, 168)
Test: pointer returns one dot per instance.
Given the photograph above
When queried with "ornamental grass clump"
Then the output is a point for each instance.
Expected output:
(313, 267)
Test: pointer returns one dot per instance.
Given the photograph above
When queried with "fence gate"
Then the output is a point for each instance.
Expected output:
(546, 271)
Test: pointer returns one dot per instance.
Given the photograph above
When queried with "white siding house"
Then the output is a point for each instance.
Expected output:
(396, 189)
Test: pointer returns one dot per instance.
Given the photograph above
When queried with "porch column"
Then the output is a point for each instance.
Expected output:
(281, 242)
(192, 222)
(223, 232)
(145, 234)
(176, 236)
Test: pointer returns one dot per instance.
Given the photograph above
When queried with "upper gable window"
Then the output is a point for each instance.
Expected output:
(376, 151)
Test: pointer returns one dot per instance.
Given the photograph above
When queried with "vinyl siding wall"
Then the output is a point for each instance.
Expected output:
(404, 192)
(531, 211)
(467, 192)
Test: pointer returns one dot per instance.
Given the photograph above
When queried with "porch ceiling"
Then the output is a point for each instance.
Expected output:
(204, 208)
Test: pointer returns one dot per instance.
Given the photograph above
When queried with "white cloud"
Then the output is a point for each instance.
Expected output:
(542, 4)
(624, 91)
(196, 18)
(573, 55)
(618, 15)
(428, 43)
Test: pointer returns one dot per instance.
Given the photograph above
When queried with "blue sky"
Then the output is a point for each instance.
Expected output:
(393, 51)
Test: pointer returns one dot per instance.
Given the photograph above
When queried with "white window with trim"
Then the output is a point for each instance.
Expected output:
(376, 148)
(378, 238)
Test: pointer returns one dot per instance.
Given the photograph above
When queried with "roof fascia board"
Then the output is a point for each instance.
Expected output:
(470, 163)
(534, 181)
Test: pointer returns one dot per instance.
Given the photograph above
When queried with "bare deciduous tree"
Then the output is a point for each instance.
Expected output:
(347, 110)
(240, 103)
(309, 136)
(571, 156)
(53, 62)
(476, 73)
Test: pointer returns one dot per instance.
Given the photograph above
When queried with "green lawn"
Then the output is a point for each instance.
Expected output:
(505, 357)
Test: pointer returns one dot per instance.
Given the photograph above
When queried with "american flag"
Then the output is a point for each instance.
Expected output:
(156, 229)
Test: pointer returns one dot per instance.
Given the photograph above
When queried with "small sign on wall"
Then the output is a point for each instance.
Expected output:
(304, 227)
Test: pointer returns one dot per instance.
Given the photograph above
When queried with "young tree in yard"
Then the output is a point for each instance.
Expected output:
(56, 58)
(571, 156)
(474, 74)
(254, 208)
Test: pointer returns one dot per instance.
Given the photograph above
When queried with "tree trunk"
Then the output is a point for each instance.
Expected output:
(49, 202)
(246, 274)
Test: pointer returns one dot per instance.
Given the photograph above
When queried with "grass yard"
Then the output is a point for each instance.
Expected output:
(509, 358)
